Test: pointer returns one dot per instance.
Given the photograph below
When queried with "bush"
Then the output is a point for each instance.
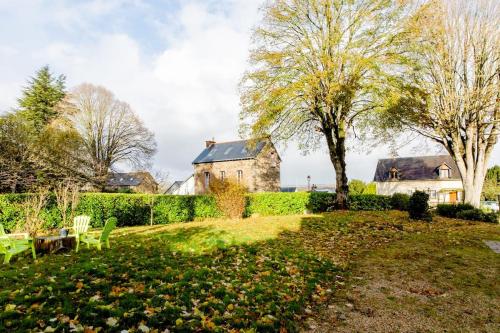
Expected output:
(418, 206)
(451, 210)
(229, 197)
(476, 214)
(400, 201)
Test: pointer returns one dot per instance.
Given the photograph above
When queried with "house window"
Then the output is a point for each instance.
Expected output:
(444, 173)
(432, 194)
(207, 179)
(222, 175)
(240, 176)
(393, 174)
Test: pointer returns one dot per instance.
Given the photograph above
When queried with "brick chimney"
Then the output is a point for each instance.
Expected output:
(209, 143)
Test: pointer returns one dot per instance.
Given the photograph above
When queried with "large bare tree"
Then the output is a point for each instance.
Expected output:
(111, 131)
(451, 93)
(317, 65)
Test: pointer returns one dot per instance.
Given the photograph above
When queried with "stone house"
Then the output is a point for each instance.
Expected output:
(255, 165)
(436, 175)
(137, 182)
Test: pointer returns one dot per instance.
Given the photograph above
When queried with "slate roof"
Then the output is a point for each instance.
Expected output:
(230, 151)
(126, 178)
(174, 187)
(416, 168)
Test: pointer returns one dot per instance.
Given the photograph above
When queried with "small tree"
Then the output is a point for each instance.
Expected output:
(67, 198)
(32, 207)
(491, 187)
(357, 186)
(230, 197)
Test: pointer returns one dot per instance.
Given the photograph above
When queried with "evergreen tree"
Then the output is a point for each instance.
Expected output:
(40, 97)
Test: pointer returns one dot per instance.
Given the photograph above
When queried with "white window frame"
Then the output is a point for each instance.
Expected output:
(222, 175)
(239, 174)
(444, 173)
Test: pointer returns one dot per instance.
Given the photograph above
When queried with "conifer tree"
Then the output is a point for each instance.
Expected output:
(40, 97)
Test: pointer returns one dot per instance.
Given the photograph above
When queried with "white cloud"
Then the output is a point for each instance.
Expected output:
(185, 93)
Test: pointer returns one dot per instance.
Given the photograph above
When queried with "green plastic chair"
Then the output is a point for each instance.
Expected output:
(104, 238)
(4, 234)
(80, 227)
(10, 246)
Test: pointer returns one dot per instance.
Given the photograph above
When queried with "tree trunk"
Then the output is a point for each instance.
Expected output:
(472, 167)
(336, 148)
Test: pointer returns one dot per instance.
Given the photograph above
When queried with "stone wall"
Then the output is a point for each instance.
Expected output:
(261, 174)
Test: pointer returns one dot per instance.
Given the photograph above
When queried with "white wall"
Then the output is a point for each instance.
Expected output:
(187, 188)
(442, 188)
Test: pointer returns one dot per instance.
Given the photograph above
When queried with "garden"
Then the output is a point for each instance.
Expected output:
(278, 269)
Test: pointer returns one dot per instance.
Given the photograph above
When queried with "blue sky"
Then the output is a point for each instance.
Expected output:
(177, 63)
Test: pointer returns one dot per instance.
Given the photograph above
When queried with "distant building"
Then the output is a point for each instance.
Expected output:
(257, 165)
(436, 175)
(137, 182)
(328, 188)
(182, 187)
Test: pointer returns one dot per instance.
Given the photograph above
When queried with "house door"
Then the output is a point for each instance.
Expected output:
(453, 197)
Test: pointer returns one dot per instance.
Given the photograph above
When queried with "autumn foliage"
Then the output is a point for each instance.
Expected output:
(230, 197)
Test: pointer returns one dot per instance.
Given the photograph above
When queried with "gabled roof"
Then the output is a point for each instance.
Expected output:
(230, 151)
(174, 187)
(177, 184)
(416, 168)
(127, 178)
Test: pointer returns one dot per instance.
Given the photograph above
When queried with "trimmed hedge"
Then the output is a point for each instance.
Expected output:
(400, 201)
(135, 209)
(466, 212)
(451, 210)
(478, 215)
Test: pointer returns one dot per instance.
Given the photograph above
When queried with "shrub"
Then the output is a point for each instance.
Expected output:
(418, 206)
(229, 197)
(451, 210)
(476, 214)
(400, 201)
(33, 208)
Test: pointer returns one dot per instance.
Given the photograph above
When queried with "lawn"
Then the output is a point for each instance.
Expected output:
(258, 274)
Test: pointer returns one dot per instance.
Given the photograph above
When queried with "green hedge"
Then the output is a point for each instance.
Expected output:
(135, 209)
(466, 212)
(478, 215)
(451, 210)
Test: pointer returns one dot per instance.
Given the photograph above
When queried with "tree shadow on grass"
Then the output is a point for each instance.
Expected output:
(156, 279)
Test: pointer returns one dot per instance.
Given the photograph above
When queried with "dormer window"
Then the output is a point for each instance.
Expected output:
(444, 171)
(393, 174)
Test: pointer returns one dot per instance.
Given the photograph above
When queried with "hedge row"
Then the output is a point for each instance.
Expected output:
(467, 212)
(137, 209)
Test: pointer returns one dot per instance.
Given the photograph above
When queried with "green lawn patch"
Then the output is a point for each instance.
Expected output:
(264, 274)
(247, 275)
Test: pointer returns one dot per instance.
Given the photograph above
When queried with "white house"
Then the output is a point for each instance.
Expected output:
(182, 187)
(436, 175)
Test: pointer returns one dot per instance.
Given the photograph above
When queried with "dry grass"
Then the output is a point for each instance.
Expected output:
(436, 278)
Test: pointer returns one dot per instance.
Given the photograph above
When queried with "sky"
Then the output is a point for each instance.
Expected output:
(176, 62)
